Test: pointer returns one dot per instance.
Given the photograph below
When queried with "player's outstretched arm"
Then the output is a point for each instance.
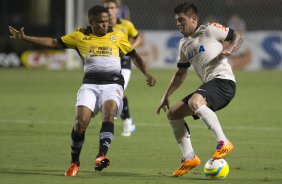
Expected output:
(175, 83)
(139, 63)
(20, 35)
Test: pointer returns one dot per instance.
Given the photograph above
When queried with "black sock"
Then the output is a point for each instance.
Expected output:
(125, 111)
(106, 136)
(76, 145)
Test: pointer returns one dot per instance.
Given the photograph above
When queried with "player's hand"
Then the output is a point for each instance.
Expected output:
(224, 53)
(151, 81)
(164, 105)
(16, 34)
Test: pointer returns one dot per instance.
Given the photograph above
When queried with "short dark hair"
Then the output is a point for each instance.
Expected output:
(95, 11)
(117, 2)
(186, 8)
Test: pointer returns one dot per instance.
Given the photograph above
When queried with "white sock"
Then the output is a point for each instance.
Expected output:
(182, 137)
(211, 121)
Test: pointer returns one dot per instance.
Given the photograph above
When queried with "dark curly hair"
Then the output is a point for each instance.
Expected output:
(95, 11)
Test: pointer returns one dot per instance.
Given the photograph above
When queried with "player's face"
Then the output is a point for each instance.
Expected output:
(186, 25)
(100, 25)
(113, 9)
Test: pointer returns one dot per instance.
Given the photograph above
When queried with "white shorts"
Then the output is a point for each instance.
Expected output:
(94, 95)
(126, 75)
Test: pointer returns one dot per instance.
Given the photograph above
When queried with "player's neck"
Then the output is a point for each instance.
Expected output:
(114, 22)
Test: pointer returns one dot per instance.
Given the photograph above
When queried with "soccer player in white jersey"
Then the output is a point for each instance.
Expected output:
(102, 88)
(202, 48)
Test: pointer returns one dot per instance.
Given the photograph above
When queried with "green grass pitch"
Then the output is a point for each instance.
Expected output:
(37, 114)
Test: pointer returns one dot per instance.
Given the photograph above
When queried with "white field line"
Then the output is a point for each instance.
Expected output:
(153, 124)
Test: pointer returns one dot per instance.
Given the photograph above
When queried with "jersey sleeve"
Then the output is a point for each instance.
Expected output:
(132, 31)
(182, 61)
(123, 43)
(68, 41)
(220, 32)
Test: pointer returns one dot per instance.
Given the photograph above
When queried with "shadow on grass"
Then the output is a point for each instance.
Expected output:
(32, 172)
(90, 174)
(133, 175)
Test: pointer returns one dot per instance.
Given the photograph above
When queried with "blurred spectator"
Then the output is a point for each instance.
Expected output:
(237, 23)
(242, 57)
(124, 12)
(210, 19)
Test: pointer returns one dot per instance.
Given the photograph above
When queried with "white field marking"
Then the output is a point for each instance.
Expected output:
(30, 121)
(154, 124)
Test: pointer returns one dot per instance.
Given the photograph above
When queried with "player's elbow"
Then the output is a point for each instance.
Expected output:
(53, 43)
(239, 36)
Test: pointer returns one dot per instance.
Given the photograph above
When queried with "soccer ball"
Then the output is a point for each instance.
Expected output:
(216, 169)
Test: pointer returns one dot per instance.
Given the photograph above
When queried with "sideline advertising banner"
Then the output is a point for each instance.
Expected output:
(260, 50)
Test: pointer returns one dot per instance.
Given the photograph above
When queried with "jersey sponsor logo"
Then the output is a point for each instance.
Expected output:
(100, 51)
(195, 51)
(86, 38)
(219, 26)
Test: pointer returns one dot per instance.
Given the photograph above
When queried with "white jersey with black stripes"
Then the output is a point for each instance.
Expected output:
(202, 49)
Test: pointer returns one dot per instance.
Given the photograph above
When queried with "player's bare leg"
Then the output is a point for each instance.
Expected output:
(181, 133)
(83, 116)
(109, 110)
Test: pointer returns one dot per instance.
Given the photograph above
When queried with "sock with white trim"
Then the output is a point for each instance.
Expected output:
(211, 121)
(182, 135)
(77, 141)
(106, 136)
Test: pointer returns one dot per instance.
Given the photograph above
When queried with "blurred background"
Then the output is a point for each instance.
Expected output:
(38, 92)
(259, 20)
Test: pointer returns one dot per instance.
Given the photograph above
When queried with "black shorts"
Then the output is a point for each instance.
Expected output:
(125, 62)
(217, 92)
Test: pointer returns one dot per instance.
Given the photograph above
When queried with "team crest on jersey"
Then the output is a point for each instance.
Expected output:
(201, 37)
(114, 38)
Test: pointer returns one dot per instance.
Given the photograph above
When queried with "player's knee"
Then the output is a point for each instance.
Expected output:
(109, 115)
(81, 124)
(195, 103)
(171, 115)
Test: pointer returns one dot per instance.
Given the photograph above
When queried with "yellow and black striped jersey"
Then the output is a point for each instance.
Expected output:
(100, 54)
(127, 28)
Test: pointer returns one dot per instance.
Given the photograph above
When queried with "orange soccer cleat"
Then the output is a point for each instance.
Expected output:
(72, 170)
(222, 150)
(187, 166)
(101, 163)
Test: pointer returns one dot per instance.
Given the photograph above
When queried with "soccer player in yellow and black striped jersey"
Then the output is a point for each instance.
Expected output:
(128, 28)
(102, 88)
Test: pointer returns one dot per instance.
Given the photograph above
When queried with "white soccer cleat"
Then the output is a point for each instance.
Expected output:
(128, 127)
